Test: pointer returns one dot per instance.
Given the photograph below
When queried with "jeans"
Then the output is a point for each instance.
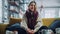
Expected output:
(54, 25)
(13, 27)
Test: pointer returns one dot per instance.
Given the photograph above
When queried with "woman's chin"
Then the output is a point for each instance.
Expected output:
(32, 10)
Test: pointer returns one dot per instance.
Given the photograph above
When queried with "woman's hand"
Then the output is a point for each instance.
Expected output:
(29, 31)
(32, 32)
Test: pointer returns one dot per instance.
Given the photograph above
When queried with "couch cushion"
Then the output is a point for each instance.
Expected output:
(14, 20)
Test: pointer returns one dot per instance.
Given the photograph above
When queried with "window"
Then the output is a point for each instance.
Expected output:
(0, 11)
(50, 13)
(59, 12)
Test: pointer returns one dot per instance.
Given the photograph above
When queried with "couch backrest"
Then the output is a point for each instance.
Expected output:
(14, 20)
(48, 21)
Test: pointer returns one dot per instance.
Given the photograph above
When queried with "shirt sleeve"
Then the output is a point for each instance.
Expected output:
(38, 25)
(24, 23)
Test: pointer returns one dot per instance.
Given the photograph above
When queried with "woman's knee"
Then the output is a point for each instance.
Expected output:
(22, 31)
(43, 27)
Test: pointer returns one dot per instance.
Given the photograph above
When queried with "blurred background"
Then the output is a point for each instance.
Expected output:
(17, 8)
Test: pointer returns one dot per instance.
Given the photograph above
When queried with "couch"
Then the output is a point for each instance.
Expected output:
(4, 26)
(46, 22)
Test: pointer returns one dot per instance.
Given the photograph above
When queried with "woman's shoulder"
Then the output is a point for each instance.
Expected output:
(27, 10)
(36, 12)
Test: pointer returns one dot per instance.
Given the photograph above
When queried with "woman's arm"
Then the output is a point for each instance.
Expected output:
(24, 23)
(38, 25)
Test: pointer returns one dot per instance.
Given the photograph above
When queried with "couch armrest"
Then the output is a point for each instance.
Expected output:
(2, 28)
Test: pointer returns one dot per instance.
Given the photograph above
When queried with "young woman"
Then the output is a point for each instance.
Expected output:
(31, 21)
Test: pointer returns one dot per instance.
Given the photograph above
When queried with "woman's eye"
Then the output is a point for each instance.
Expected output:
(31, 5)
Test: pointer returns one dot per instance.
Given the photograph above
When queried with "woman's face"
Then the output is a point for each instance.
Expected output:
(32, 6)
